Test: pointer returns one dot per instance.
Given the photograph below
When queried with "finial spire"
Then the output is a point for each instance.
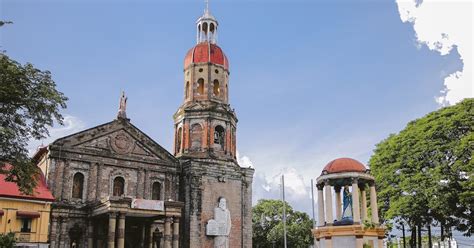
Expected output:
(207, 7)
(122, 112)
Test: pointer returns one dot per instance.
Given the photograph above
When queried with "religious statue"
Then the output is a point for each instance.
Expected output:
(220, 226)
(122, 107)
(347, 204)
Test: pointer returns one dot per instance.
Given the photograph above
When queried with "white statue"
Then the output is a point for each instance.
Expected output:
(122, 113)
(220, 226)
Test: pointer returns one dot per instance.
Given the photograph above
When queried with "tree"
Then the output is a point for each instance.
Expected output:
(29, 104)
(7, 240)
(425, 173)
(267, 225)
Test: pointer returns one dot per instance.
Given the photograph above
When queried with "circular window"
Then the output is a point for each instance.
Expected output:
(217, 71)
(200, 70)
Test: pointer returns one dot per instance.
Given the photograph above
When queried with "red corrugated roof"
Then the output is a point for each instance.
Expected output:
(10, 189)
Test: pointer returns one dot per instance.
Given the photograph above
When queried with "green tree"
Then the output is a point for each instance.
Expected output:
(425, 173)
(29, 104)
(267, 225)
(7, 240)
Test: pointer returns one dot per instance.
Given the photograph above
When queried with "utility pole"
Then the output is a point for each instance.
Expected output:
(284, 210)
(312, 203)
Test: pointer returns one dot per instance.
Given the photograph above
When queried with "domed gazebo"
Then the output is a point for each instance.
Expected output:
(348, 229)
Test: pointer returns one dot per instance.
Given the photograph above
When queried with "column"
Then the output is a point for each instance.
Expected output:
(373, 204)
(380, 242)
(337, 189)
(328, 242)
(111, 231)
(176, 232)
(167, 232)
(121, 231)
(54, 231)
(63, 237)
(355, 202)
(149, 235)
(363, 213)
(360, 241)
(320, 205)
(90, 233)
(329, 217)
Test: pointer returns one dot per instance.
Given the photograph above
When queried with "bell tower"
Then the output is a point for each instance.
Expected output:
(205, 144)
(205, 125)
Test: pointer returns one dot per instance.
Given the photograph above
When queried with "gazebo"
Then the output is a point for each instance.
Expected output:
(354, 229)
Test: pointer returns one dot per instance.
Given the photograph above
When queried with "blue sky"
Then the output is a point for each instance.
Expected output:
(311, 81)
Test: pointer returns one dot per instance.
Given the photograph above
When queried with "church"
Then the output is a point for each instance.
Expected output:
(114, 186)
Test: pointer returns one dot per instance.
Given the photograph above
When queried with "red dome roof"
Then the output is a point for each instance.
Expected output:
(206, 52)
(344, 165)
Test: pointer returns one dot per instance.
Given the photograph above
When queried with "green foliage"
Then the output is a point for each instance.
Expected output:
(7, 240)
(425, 173)
(29, 104)
(268, 226)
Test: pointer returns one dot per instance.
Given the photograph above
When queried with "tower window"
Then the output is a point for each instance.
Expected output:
(219, 135)
(196, 136)
(216, 71)
(217, 89)
(178, 140)
(156, 191)
(200, 69)
(212, 27)
(77, 185)
(186, 90)
(119, 184)
(200, 86)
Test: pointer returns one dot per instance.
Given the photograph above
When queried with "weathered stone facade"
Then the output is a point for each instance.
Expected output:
(99, 156)
(116, 187)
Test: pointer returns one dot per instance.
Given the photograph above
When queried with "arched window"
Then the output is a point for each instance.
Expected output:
(211, 27)
(219, 135)
(179, 136)
(119, 184)
(196, 136)
(200, 86)
(156, 191)
(77, 185)
(217, 88)
(186, 90)
(204, 27)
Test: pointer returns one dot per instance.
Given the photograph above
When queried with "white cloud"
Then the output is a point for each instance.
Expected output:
(71, 125)
(244, 161)
(443, 26)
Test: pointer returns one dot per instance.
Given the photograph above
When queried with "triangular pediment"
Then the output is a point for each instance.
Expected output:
(119, 138)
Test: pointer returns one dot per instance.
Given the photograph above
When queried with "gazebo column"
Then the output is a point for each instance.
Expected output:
(320, 204)
(363, 203)
(373, 204)
(337, 189)
(355, 202)
(329, 217)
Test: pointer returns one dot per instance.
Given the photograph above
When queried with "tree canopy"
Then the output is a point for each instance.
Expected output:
(425, 173)
(29, 104)
(267, 225)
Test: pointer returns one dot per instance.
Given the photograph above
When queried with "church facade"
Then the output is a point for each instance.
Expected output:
(114, 186)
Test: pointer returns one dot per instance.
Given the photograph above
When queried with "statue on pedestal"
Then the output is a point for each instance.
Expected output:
(220, 226)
